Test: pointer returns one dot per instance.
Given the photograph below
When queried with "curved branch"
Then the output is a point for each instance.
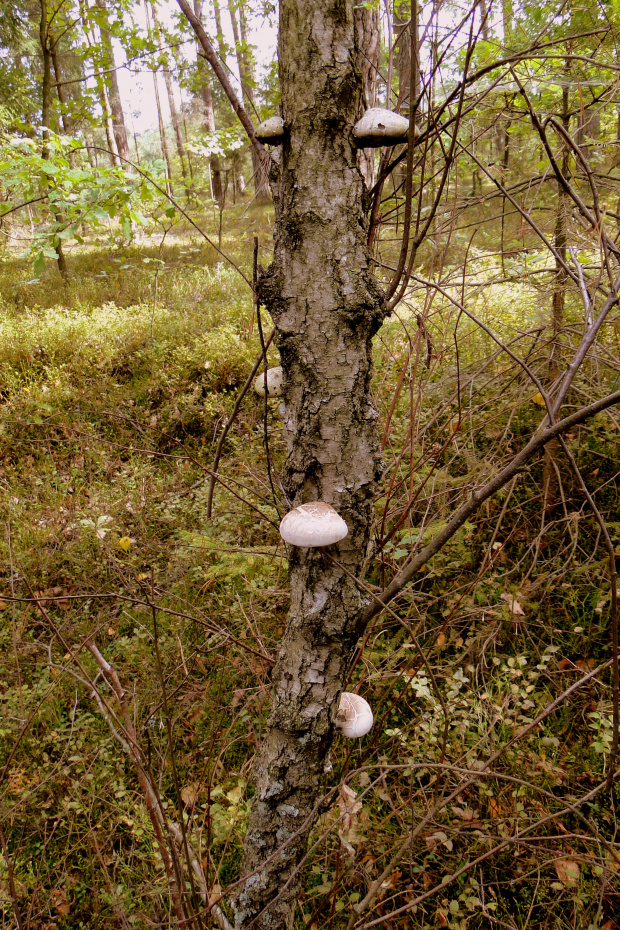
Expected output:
(537, 441)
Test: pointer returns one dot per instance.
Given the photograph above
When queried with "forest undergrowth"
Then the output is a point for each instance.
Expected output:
(115, 388)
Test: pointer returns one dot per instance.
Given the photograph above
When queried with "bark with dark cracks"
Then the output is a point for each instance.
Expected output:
(326, 307)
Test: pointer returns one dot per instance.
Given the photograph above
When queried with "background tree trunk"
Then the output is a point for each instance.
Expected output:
(219, 33)
(118, 118)
(47, 44)
(550, 473)
(326, 306)
(368, 50)
(209, 113)
(260, 165)
(402, 57)
(89, 34)
(160, 119)
(174, 113)
(64, 113)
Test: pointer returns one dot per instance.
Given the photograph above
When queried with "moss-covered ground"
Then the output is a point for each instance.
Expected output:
(114, 390)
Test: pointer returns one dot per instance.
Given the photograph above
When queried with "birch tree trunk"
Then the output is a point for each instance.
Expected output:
(326, 306)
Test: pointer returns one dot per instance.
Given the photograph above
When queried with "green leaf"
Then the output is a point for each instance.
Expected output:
(49, 168)
(39, 265)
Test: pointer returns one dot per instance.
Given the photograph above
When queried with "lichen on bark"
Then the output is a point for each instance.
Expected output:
(326, 306)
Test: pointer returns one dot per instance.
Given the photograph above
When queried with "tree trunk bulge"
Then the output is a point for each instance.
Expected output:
(326, 306)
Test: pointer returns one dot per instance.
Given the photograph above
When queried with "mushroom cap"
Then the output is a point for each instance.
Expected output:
(271, 131)
(380, 127)
(275, 378)
(354, 715)
(315, 524)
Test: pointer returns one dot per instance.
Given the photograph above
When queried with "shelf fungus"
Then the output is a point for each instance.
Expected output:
(354, 715)
(271, 131)
(379, 127)
(315, 524)
(275, 379)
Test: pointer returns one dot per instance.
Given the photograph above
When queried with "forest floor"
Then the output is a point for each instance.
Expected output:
(114, 390)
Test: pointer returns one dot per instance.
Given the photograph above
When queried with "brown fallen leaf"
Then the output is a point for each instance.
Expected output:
(568, 872)
(349, 812)
(494, 808)
(61, 902)
(514, 605)
(585, 665)
(189, 794)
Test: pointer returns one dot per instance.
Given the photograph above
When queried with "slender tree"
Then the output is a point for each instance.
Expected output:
(108, 120)
(114, 97)
(368, 45)
(558, 297)
(48, 43)
(174, 113)
(209, 112)
(160, 120)
(260, 164)
(326, 305)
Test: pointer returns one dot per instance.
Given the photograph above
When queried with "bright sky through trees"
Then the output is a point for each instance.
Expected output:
(136, 83)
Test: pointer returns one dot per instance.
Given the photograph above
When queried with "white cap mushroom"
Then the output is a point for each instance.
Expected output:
(271, 131)
(379, 127)
(354, 715)
(275, 378)
(315, 524)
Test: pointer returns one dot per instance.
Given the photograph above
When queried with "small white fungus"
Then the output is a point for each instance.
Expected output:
(354, 715)
(271, 131)
(275, 379)
(314, 524)
(379, 127)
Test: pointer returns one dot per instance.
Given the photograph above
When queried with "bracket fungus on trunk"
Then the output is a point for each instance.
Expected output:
(354, 715)
(314, 524)
(275, 380)
(271, 131)
(379, 127)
